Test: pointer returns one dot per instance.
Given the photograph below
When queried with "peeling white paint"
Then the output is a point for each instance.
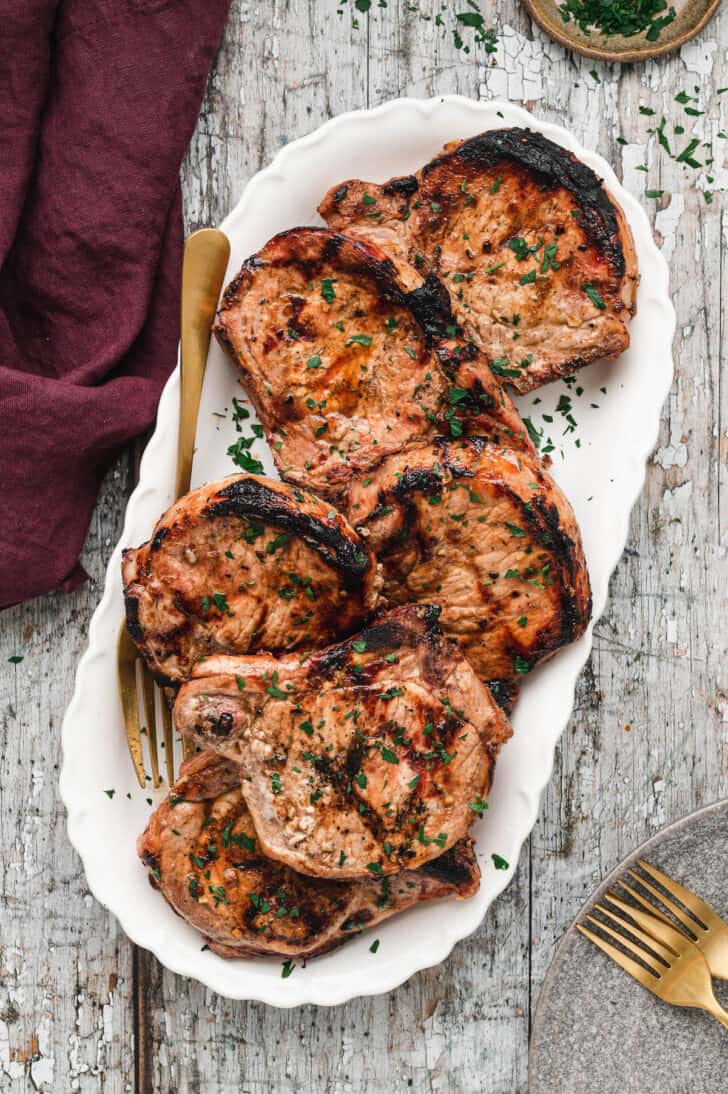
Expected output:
(666, 223)
(633, 156)
(697, 56)
(518, 70)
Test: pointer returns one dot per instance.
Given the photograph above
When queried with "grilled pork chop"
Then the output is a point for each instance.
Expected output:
(537, 255)
(201, 850)
(364, 759)
(485, 533)
(345, 363)
(243, 564)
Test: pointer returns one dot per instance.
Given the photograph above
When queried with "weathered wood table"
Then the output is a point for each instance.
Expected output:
(80, 1007)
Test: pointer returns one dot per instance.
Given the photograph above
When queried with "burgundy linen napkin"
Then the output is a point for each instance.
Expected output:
(98, 100)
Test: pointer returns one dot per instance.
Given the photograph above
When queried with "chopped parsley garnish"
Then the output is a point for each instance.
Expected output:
(374, 867)
(358, 340)
(521, 665)
(515, 530)
(313, 362)
(359, 644)
(109, 793)
(287, 969)
(274, 690)
(275, 783)
(389, 756)
(327, 289)
(478, 806)
(623, 17)
(239, 454)
(374, 946)
(593, 295)
(498, 862)
(279, 541)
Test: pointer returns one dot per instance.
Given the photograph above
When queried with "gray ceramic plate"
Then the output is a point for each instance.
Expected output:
(596, 1031)
(690, 18)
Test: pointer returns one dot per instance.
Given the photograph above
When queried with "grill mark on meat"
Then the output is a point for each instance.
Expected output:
(359, 758)
(454, 220)
(406, 185)
(203, 856)
(251, 498)
(245, 563)
(506, 565)
(382, 366)
(557, 168)
(430, 305)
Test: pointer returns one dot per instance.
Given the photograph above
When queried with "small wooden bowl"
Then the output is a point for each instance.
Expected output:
(690, 18)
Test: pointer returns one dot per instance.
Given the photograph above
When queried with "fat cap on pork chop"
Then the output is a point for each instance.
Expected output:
(364, 759)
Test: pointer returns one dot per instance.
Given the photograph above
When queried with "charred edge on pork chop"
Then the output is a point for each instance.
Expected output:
(486, 534)
(564, 309)
(242, 564)
(251, 498)
(554, 165)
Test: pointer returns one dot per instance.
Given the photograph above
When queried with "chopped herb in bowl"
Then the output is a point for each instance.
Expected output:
(623, 17)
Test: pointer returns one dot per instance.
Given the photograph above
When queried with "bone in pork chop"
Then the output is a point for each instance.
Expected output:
(345, 364)
(537, 256)
(487, 534)
(243, 564)
(366, 758)
(202, 852)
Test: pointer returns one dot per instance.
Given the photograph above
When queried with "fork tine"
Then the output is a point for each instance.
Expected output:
(690, 899)
(168, 742)
(627, 943)
(667, 954)
(679, 913)
(126, 667)
(637, 971)
(660, 928)
(653, 911)
(150, 715)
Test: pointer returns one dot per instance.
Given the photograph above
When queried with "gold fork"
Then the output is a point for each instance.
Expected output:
(706, 928)
(669, 964)
(205, 261)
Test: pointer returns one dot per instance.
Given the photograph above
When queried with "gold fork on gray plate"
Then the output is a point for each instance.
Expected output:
(205, 261)
(673, 965)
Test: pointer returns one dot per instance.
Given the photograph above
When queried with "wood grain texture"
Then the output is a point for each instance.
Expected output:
(648, 740)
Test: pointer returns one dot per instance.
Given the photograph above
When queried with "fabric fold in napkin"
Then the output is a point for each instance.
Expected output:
(98, 101)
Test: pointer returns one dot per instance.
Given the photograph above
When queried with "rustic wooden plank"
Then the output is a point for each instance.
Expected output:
(70, 986)
(66, 1020)
(647, 742)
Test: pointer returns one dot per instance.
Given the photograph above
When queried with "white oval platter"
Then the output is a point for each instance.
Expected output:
(618, 415)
